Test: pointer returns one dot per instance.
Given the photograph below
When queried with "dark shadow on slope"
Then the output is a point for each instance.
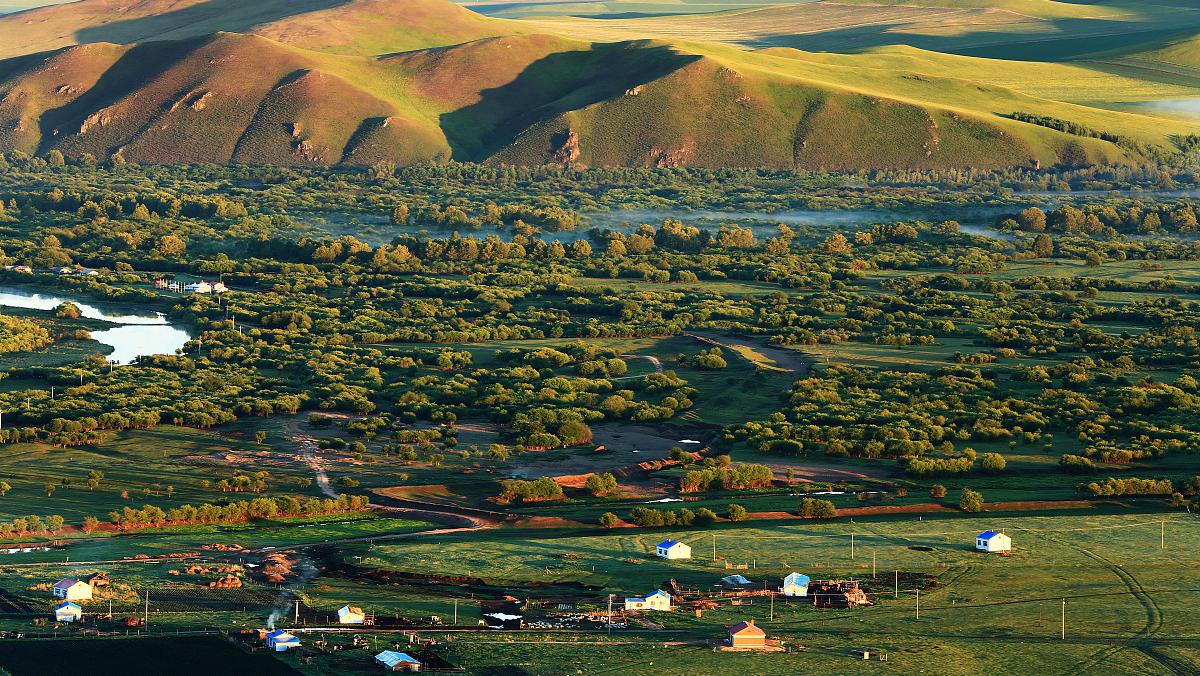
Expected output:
(551, 86)
(1062, 40)
(133, 70)
(210, 16)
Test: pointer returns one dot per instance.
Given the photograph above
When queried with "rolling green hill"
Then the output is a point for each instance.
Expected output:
(410, 81)
(342, 26)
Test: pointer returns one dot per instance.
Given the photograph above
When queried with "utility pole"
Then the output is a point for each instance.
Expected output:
(456, 612)
(610, 597)
(297, 615)
(852, 545)
(1064, 619)
(918, 603)
(1162, 534)
(872, 564)
(146, 612)
(896, 593)
(714, 543)
(772, 605)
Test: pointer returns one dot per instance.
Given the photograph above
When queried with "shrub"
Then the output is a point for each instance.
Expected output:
(1077, 464)
(608, 520)
(937, 491)
(737, 513)
(812, 508)
(599, 484)
(971, 501)
(992, 463)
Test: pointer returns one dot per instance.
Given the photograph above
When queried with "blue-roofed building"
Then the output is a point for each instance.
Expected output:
(673, 549)
(68, 612)
(795, 584)
(657, 600)
(993, 541)
(397, 661)
(281, 641)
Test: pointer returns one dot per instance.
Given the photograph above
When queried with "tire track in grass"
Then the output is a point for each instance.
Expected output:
(1141, 641)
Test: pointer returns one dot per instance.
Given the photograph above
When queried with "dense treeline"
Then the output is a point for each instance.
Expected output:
(150, 516)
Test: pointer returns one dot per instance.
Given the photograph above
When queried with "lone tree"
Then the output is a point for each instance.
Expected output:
(608, 520)
(971, 501)
(937, 491)
(737, 513)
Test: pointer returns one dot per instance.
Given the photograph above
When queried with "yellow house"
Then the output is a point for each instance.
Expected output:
(659, 600)
(673, 549)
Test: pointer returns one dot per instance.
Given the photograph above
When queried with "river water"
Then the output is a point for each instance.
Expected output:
(136, 333)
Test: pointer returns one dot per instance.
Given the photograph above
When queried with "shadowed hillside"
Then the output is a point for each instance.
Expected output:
(414, 81)
(344, 26)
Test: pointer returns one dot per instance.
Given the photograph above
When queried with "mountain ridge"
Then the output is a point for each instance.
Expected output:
(308, 87)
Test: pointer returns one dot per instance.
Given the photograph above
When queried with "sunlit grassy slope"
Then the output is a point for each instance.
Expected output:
(526, 99)
(1035, 30)
(408, 81)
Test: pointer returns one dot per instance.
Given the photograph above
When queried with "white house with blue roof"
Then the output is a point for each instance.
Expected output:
(673, 549)
(68, 612)
(281, 641)
(993, 541)
(657, 600)
(397, 661)
(795, 584)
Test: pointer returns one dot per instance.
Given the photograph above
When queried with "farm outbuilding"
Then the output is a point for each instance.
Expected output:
(795, 584)
(747, 635)
(735, 581)
(993, 541)
(397, 661)
(838, 594)
(658, 600)
(72, 589)
(351, 615)
(67, 612)
(673, 549)
(281, 641)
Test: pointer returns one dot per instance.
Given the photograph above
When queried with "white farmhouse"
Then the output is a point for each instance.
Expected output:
(673, 549)
(351, 615)
(658, 600)
(67, 612)
(72, 589)
(795, 584)
(281, 641)
(992, 541)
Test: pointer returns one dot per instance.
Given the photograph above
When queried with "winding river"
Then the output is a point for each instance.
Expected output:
(137, 334)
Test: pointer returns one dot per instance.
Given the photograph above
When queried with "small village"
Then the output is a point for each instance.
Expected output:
(409, 645)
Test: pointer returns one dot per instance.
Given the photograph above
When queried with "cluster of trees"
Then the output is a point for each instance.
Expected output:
(151, 516)
(1130, 486)
(31, 525)
(21, 335)
(538, 490)
(732, 477)
(1103, 219)
(648, 517)
(601, 484)
(814, 508)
